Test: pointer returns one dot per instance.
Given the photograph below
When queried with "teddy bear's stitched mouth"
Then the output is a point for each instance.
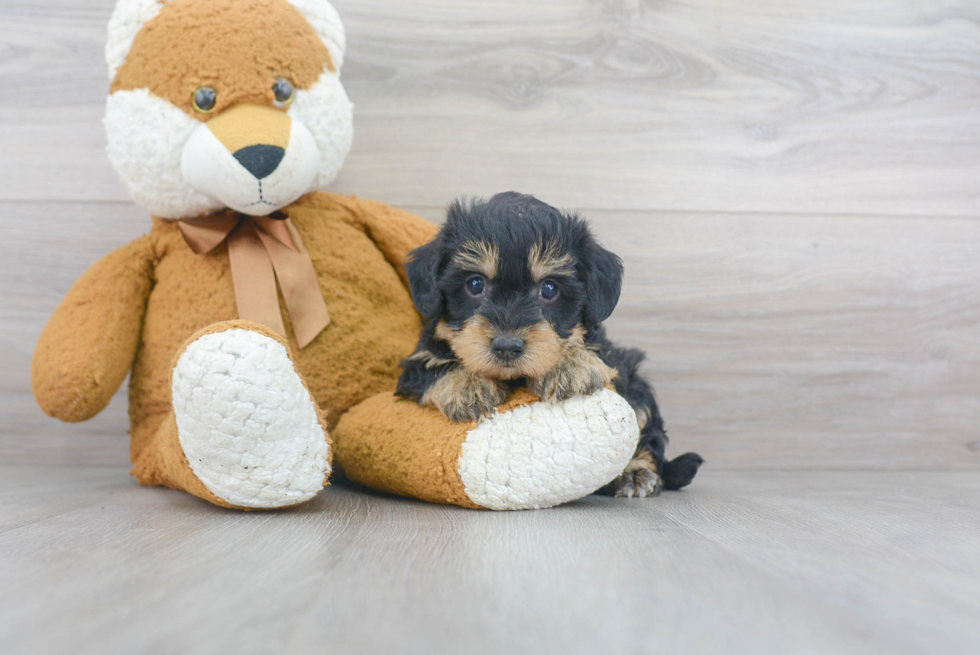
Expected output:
(261, 200)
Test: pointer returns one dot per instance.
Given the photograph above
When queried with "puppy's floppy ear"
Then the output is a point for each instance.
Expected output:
(603, 273)
(423, 268)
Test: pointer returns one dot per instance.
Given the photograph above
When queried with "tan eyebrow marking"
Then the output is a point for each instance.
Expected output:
(549, 260)
(479, 256)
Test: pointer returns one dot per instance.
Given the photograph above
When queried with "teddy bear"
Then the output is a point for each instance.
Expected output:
(262, 319)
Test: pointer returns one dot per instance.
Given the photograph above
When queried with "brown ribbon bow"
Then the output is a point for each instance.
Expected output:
(262, 249)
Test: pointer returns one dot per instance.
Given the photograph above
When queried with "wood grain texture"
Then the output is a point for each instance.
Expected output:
(774, 342)
(812, 304)
(739, 563)
(699, 105)
(824, 342)
(47, 247)
(793, 187)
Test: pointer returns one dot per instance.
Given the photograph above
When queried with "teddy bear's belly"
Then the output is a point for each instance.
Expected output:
(373, 323)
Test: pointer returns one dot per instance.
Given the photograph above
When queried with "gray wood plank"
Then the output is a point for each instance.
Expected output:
(824, 342)
(739, 563)
(47, 247)
(790, 106)
(774, 342)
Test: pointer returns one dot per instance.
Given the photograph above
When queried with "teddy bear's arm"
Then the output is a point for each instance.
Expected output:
(89, 344)
(396, 232)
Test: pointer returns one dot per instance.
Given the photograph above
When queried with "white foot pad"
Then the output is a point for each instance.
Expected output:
(543, 454)
(248, 426)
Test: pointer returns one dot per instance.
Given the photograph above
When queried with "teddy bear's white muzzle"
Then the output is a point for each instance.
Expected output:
(256, 179)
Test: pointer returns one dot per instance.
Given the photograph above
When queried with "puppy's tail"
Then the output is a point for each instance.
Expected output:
(679, 472)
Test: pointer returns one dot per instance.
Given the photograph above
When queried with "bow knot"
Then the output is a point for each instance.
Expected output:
(261, 250)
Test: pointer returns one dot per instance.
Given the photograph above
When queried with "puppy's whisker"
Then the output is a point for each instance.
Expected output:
(473, 345)
(429, 359)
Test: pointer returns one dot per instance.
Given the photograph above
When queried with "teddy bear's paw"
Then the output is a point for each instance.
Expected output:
(545, 454)
(246, 422)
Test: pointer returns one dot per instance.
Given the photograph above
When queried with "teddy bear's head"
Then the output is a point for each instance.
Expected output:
(225, 103)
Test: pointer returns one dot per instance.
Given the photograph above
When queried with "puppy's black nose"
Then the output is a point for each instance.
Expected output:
(507, 348)
(260, 160)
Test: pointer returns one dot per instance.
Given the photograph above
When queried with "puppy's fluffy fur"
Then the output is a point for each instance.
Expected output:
(513, 293)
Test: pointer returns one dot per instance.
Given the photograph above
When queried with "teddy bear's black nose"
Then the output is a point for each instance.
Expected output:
(260, 160)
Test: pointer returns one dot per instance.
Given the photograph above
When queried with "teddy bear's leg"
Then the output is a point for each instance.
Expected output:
(529, 454)
(244, 431)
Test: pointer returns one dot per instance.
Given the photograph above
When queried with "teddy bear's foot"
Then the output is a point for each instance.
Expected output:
(545, 454)
(247, 425)
(527, 455)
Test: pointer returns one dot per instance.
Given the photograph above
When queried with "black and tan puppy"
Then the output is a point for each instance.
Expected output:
(514, 292)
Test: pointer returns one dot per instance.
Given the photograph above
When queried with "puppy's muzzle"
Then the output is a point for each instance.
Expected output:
(508, 349)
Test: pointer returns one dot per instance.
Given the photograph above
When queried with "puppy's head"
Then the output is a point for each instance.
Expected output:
(512, 282)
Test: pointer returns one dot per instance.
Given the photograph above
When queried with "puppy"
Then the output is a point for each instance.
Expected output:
(513, 293)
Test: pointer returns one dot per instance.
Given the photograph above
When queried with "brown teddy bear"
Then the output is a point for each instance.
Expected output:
(261, 315)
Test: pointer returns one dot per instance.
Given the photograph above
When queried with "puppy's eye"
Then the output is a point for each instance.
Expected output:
(205, 99)
(476, 286)
(549, 290)
(284, 92)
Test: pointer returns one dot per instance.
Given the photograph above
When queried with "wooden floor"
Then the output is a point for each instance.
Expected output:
(742, 562)
(794, 186)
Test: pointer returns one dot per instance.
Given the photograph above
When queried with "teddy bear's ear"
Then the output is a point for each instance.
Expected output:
(129, 17)
(326, 21)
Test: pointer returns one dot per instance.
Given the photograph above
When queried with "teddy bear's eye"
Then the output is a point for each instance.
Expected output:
(205, 99)
(283, 91)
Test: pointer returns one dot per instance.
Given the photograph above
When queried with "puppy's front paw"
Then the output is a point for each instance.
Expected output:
(639, 480)
(465, 396)
(579, 373)
(640, 483)
(468, 409)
